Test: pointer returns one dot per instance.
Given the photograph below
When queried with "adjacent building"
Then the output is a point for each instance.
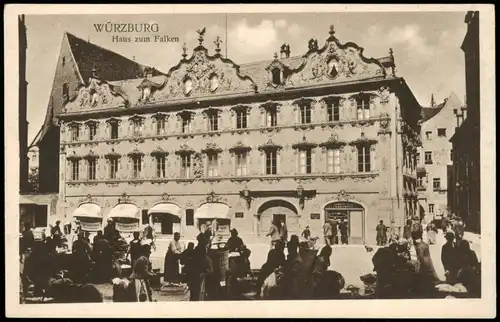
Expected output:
(466, 141)
(23, 107)
(435, 156)
(302, 139)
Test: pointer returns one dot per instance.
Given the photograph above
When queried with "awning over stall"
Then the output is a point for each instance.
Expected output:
(165, 207)
(212, 210)
(90, 210)
(125, 210)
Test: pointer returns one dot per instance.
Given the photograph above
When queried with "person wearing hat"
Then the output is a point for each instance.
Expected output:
(56, 233)
(110, 232)
(449, 255)
(234, 243)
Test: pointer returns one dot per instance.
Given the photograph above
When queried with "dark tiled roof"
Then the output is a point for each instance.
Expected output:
(430, 112)
(111, 66)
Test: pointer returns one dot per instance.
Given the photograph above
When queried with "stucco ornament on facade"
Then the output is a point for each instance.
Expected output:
(96, 94)
(204, 75)
(335, 61)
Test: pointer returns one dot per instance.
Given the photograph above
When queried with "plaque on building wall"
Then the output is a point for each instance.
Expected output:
(315, 216)
(238, 215)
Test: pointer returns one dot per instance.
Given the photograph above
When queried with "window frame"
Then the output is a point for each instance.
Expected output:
(91, 169)
(271, 162)
(364, 153)
(332, 166)
(160, 166)
(241, 119)
(305, 110)
(333, 109)
(92, 131)
(441, 132)
(212, 164)
(241, 167)
(185, 166)
(113, 165)
(426, 159)
(436, 183)
(363, 105)
(75, 165)
(305, 167)
(136, 167)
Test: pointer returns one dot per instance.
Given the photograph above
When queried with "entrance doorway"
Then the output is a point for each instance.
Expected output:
(351, 212)
(277, 211)
(165, 223)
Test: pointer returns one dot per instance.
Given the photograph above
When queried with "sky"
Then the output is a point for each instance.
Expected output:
(426, 45)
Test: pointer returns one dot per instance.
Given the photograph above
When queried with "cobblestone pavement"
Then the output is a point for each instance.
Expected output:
(352, 261)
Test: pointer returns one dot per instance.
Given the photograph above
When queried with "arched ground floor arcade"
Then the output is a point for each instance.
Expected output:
(250, 213)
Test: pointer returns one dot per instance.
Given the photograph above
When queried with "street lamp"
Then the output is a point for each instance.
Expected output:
(300, 194)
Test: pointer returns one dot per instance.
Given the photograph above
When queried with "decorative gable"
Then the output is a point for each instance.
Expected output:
(204, 75)
(335, 62)
(97, 94)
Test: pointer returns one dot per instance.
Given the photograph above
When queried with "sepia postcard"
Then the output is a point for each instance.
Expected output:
(292, 161)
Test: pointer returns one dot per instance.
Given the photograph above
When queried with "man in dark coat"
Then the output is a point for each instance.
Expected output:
(449, 258)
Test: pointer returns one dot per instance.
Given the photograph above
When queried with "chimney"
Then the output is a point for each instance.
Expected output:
(287, 51)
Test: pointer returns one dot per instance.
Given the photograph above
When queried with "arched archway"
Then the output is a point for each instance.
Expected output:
(352, 215)
(279, 210)
(165, 218)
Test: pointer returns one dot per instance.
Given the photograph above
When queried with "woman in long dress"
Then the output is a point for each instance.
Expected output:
(172, 257)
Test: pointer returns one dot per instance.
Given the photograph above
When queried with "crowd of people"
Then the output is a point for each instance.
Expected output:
(399, 275)
(304, 273)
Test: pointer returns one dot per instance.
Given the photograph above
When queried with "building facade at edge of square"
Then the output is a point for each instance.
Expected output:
(327, 135)
(435, 156)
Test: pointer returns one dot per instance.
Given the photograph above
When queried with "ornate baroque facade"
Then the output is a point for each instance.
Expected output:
(330, 134)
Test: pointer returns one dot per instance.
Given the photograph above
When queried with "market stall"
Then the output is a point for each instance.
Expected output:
(90, 216)
(127, 217)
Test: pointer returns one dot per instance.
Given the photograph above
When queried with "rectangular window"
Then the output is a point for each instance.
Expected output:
(428, 135)
(185, 166)
(75, 133)
(137, 167)
(364, 159)
(305, 161)
(114, 130)
(137, 128)
(241, 164)
(417, 159)
(420, 181)
(213, 122)
(238, 215)
(436, 183)
(160, 166)
(65, 91)
(92, 131)
(305, 113)
(363, 107)
(271, 162)
(428, 157)
(160, 126)
(212, 165)
(113, 168)
(91, 169)
(189, 217)
(442, 133)
(431, 208)
(75, 170)
(271, 117)
(241, 119)
(333, 110)
(333, 160)
(186, 124)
